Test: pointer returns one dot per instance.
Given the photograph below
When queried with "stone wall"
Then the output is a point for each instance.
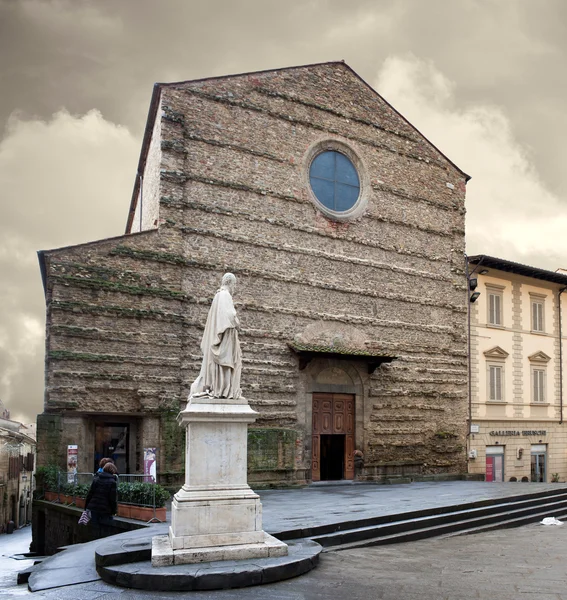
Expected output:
(57, 525)
(125, 316)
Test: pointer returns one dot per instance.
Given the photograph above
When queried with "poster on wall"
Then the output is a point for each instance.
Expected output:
(150, 464)
(72, 457)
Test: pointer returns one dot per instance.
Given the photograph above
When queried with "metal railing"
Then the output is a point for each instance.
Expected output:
(146, 500)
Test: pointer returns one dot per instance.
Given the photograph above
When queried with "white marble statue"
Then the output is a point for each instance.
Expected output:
(222, 358)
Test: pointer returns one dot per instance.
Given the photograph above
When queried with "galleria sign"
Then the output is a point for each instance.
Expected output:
(519, 433)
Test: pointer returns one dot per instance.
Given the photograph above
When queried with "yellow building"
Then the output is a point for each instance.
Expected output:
(518, 328)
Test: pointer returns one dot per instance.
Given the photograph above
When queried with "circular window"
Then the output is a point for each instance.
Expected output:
(334, 181)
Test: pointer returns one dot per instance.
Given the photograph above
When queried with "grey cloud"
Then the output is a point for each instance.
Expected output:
(80, 55)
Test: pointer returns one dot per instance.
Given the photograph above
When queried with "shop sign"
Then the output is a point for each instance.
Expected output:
(518, 433)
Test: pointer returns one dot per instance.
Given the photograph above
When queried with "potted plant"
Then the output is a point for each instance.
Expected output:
(136, 500)
(47, 481)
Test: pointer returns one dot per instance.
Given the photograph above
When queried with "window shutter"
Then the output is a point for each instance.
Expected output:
(539, 385)
(537, 316)
(497, 309)
(498, 382)
(495, 383)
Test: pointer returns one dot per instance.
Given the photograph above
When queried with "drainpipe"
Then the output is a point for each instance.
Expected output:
(468, 276)
(469, 344)
(560, 357)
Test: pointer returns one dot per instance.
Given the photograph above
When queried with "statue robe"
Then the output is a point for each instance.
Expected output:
(222, 358)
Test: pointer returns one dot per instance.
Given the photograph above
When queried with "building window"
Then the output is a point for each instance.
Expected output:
(334, 181)
(494, 307)
(539, 361)
(538, 385)
(538, 305)
(495, 383)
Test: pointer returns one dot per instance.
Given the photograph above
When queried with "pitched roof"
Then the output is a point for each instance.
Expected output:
(491, 262)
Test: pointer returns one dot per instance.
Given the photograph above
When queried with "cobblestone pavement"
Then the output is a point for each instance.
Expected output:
(527, 563)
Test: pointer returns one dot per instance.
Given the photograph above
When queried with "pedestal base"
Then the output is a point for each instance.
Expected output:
(212, 517)
(164, 555)
(215, 516)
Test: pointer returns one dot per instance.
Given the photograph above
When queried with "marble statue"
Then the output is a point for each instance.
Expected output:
(222, 359)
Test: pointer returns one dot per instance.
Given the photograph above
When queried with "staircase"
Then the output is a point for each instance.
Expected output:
(474, 517)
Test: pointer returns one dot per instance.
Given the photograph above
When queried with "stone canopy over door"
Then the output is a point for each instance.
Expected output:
(333, 437)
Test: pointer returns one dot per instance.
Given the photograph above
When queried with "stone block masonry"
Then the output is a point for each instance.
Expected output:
(226, 166)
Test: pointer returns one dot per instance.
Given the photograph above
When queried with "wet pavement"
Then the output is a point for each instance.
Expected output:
(319, 504)
(11, 561)
(527, 562)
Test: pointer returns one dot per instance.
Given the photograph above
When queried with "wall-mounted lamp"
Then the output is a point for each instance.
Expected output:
(473, 282)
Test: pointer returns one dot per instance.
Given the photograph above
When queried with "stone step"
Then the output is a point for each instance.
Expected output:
(451, 523)
(493, 504)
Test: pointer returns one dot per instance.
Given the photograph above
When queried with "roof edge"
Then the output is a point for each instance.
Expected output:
(320, 64)
(42, 254)
(146, 140)
(508, 266)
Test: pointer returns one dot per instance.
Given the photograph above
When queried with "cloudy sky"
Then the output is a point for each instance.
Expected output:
(485, 80)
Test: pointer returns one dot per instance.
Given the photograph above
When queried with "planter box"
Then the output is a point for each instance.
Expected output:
(51, 496)
(80, 502)
(140, 513)
(124, 510)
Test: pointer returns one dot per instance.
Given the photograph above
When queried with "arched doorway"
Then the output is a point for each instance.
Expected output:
(334, 417)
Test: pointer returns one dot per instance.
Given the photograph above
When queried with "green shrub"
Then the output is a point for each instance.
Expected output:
(142, 493)
(162, 496)
(68, 489)
(82, 489)
(47, 478)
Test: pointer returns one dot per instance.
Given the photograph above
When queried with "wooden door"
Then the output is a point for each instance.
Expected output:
(333, 414)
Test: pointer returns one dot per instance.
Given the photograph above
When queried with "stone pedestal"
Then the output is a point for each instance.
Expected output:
(215, 515)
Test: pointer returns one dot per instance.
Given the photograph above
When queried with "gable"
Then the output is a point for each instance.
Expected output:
(333, 88)
(539, 357)
(496, 353)
(265, 114)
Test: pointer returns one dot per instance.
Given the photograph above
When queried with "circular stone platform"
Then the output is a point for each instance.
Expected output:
(128, 564)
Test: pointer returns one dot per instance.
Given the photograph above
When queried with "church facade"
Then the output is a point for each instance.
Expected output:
(344, 227)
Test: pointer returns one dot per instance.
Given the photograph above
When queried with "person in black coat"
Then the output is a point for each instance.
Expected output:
(102, 497)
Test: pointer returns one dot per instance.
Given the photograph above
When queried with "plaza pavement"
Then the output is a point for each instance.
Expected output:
(527, 563)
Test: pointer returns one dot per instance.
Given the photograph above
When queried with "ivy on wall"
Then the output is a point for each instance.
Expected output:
(271, 449)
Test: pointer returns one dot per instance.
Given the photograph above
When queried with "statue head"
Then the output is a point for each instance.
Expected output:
(229, 281)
